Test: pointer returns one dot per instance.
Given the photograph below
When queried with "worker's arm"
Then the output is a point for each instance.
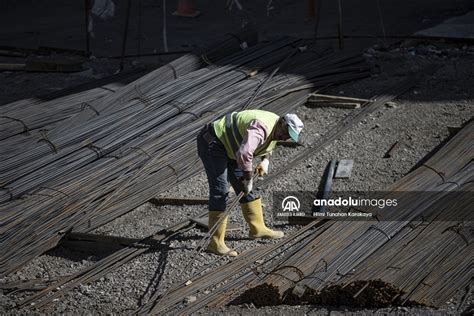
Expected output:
(254, 137)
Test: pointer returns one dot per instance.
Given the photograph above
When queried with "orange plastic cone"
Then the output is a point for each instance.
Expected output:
(187, 9)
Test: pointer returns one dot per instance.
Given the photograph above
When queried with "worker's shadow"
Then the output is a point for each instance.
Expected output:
(163, 250)
(155, 281)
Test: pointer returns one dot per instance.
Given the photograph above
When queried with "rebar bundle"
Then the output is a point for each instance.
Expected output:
(140, 141)
(423, 251)
(24, 117)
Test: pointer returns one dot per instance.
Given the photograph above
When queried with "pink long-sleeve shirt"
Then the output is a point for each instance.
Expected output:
(255, 136)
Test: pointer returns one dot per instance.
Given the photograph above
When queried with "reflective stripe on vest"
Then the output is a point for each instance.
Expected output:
(231, 129)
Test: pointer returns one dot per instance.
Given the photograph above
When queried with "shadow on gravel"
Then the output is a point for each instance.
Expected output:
(436, 149)
(78, 256)
(155, 281)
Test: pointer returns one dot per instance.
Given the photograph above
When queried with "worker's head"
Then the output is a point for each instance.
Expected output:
(288, 126)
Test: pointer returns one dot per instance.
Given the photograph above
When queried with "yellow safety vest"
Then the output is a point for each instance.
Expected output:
(231, 129)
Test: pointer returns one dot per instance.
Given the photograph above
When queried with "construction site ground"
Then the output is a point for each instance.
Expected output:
(418, 120)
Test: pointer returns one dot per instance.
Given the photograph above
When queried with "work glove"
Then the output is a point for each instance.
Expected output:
(248, 185)
(262, 167)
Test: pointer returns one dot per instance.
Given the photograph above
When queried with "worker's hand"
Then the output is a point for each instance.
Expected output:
(247, 185)
(262, 167)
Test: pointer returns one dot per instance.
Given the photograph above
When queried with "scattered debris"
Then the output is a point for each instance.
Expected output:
(391, 104)
(324, 100)
(344, 169)
(453, 129)
(190, 299)
(392, 150)
(338, 98)
(298, 290)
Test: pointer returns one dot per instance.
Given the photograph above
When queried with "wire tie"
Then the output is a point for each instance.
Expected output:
(96, 149)
(44, 138)
(85, 105)
(40, 194)
(176, 105)
(207, 112)
(25, 128)
(193, 114)
(8, 190)
(175, 74)
(297, 270)
(137, 90)
(441, 174)
(89, 144)
(142, 151)
(55, 190)
(141, 96)
(205, 59)
(325, 264)
(457, 230)
(143, 100)
(146, 98)
(174, 170)
(380, 230)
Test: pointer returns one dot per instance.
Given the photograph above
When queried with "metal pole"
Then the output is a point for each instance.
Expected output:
(125, 32)
(317, 17)
(327, 184)
(339, 24)
(139, 28)
(87, 10)
(382, 24)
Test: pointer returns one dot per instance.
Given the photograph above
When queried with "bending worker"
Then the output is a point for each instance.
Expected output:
(226, 148)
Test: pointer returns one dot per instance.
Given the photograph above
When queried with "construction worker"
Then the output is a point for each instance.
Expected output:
(226, 148)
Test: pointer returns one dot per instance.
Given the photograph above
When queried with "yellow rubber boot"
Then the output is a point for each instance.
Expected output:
(216, 243)
(253, 214)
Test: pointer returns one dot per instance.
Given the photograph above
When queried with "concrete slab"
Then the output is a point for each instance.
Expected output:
(457, 28)
(344, 169)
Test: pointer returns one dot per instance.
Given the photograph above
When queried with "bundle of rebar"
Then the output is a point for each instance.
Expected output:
(422, 251)
(29, 117)
(23, 121)
(25, 116)
(104, 162)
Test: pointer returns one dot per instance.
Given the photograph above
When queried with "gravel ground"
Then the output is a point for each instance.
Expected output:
(418, 120)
